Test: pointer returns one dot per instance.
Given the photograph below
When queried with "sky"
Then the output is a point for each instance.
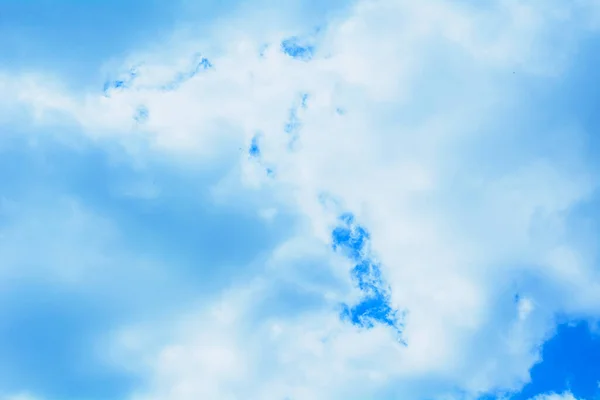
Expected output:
(303, 200)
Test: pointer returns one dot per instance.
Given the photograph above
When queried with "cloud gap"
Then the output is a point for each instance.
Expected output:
(352, 240)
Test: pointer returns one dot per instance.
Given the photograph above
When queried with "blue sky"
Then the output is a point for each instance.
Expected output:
(248, 200)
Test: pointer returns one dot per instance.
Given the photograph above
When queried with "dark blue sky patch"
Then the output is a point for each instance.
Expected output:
(297, 48)
(352, 240)
(255, 153)
(570, 362)
(371, 310)
(375, 306)
(254, 149)
(367, 275)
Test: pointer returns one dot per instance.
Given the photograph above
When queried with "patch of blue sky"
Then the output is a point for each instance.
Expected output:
(73, 40)
(254, 149)
(352, 240)
(570, 362)
(301, 47)
(374, 308)
(255, 153)
(298, 48)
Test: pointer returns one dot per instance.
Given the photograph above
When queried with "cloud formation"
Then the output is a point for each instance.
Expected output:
(431, 189)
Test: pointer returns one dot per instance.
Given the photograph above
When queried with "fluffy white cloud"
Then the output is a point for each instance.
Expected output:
(412, 124)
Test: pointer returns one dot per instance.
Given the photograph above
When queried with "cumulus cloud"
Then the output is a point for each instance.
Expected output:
(420, 119)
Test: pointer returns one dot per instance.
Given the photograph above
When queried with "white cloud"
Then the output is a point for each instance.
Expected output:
(460, 201)
(555, 396)
(525, 307)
